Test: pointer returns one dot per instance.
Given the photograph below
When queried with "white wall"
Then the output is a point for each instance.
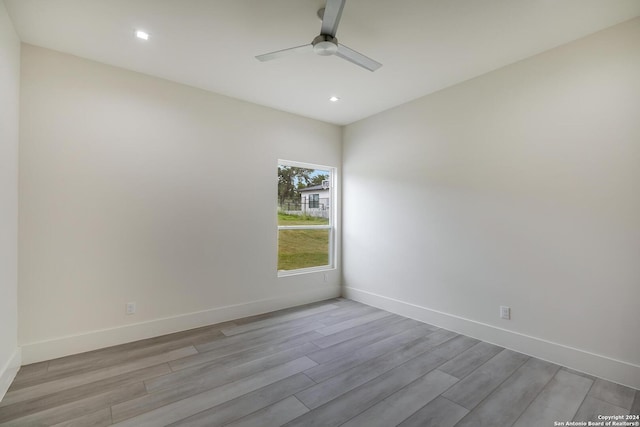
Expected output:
(133, 188)
(518, 188)
(9, 122)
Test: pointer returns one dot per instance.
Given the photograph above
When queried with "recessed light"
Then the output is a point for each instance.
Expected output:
(142, 35)
(334, 99)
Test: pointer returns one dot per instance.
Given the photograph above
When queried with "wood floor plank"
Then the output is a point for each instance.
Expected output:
(613, 393)
(92, 358)
(276, 320)
(218, 374)
(294, 309)
(274, 415)
(78, 408)
(349, 346)
(470, 360)
(94, 364)
(151, 401)
(364, 329)
(558, 401)
(185, 408)
(415, 335)
(591, 408)
(62, 397)
(582, 374)
(244, 405)
(50, 387)
(344, 314)
(321, 319)
(453, 347)
(242, 352)
(348, 324)
(255, 338)
(29, 372)
(101, 418)
(507, 403)
(480, 383)
(440, 412)
(405, 402)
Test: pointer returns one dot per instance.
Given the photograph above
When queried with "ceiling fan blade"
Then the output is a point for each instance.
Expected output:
(284, 52)
(331, 17)
(357, 58)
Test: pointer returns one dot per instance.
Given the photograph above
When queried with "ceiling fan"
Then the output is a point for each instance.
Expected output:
(326, 43)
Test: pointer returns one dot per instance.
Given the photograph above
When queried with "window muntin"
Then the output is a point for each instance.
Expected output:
(305, 217)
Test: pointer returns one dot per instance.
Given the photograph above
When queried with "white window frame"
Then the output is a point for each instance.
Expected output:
(331, 226)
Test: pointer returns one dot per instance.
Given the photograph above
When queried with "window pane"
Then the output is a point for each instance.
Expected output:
(302, 249)
(314, 201)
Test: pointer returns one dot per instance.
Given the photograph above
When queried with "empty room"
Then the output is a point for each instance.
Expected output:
(320, 213)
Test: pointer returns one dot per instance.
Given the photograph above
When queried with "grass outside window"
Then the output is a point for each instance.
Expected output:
(302, 249)
(285, 219)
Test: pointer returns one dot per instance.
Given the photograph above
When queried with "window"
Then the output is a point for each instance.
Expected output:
(314, 201)
(305, 217)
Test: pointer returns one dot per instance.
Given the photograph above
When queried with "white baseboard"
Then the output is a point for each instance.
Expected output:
(8, 372)
(67, 345)
(595, 364)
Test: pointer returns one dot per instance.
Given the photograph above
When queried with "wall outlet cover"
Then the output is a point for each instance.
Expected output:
(505, 312)
(130, 308)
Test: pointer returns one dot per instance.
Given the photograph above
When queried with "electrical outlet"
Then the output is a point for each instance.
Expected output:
(130, 308)
(505, 312)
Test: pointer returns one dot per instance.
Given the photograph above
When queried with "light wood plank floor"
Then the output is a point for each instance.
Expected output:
(334, 363)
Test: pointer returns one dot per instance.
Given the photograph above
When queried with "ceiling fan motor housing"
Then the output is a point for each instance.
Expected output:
(325, 45)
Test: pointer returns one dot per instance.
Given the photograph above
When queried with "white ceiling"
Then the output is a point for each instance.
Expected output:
(425, 45)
